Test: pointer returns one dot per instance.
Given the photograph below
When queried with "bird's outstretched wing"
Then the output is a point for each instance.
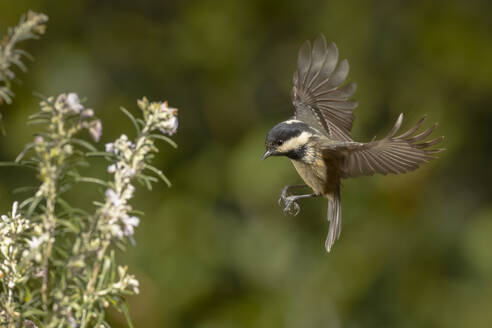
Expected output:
(392, 154)
(317, 95)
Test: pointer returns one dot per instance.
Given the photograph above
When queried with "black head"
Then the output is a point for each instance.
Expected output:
(288, 138)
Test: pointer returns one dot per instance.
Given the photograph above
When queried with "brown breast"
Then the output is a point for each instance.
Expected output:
(322, 175)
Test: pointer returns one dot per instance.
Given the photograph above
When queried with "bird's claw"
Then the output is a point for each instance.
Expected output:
(288, 203)
(281, 200)
(283, 196)
(291, 206)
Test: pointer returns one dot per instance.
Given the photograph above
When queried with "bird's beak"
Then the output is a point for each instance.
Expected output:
(267, 154)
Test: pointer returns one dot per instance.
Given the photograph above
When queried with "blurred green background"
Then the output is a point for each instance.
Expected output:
(215, 250)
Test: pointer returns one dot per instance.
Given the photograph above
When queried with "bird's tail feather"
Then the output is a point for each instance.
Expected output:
(334, 217)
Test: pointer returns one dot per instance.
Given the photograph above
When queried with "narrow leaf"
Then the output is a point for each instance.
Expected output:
(159, 174)
(166, 139)
(132, 118)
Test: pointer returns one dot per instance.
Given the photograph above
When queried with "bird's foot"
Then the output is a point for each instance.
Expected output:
(283, 196)
(290, 205)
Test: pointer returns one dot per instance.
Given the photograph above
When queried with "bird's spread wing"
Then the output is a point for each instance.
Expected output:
(392, 154)
(317, 95)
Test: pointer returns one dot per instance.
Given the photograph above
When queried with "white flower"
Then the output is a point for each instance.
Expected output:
(113, 197)
(129, 223)
(109, 147)
(61, 103)
(122, 146)
(35, 242)
(116, 231)
(169, 126)
(7, 241)
(128, 172)
(167, 122)
(128, 192)
(126, 281)
(68, 149)
(14, 209)
(134, 284)
(112, 168)
(89, 112)
(165, 109)
(73, 102)
(13, 224)
(95, 130)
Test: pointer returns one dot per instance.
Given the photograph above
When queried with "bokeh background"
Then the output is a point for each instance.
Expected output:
(215, 250)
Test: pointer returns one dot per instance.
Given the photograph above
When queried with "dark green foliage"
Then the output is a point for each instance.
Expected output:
(215, 249)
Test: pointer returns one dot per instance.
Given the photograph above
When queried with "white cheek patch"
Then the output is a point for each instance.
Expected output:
(292, 121)
(295, 142)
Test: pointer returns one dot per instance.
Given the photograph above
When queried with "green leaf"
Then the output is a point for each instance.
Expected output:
(125, 311)
(79, 178)
(40, 96)
(28, 147)
(142, 122)
(38, 115)
(20, 190)
(6, 94)
(25, 54)
(147, 180)
(132, 118)
(34, 204)
(159, 174)
(38, 121)
(14, 164)
(69, 225)
(84, 144)
(113, 267)
(26, 202)
(33, 311)
(166, 139)
(105, 271)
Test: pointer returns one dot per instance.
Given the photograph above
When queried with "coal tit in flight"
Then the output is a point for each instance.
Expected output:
(318, 140)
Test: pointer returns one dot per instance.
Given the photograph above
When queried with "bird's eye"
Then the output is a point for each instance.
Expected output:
(280, 142)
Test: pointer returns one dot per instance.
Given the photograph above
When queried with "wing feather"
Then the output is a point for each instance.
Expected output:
(392, 154)
(317, 95)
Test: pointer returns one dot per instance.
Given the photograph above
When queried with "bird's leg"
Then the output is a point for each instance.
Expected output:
(291, 205)
(286, 189)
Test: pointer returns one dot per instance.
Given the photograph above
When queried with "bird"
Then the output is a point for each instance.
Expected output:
(318, 141)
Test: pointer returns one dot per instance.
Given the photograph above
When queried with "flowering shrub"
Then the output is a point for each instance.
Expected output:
(57, 262)
(29, 27)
